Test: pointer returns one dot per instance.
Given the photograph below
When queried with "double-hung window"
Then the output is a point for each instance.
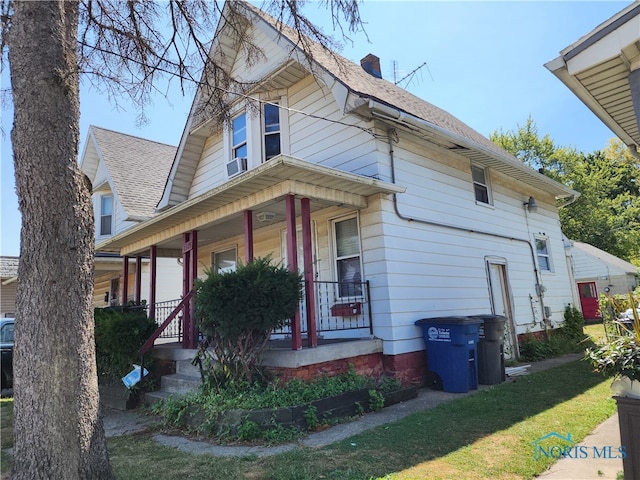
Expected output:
(480, 184)
(239, 136)
(271, 130)
(106, 214)
(542, 251)
(347, 254)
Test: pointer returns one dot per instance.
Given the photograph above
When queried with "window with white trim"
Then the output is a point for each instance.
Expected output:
(271, 130)
(224, 260)
(542, 252)
(481, 184)
(106, 214)
(348, 265)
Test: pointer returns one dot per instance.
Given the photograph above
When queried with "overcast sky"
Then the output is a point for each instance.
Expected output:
(484, 64)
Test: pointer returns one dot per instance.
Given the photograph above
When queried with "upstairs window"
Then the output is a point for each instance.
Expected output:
(239, 136)
(106, 214)
(542, 251)
(271, 130)
(480, 184)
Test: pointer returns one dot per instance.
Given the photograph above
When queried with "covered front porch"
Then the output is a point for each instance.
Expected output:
(283, 208)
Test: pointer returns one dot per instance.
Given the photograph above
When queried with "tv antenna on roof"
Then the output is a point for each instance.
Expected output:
(410, 76)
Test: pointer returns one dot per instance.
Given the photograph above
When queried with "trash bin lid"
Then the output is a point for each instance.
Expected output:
(453, 320)
(490, 318)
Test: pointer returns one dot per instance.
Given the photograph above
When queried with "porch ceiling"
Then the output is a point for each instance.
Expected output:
(218, 213)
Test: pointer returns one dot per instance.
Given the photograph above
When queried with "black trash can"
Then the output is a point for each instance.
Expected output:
(451, 351)
(491, 349)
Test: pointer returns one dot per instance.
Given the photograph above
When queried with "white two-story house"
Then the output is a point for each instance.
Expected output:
(394, 209)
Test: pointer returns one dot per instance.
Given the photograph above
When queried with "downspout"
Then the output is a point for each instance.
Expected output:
(539, 292)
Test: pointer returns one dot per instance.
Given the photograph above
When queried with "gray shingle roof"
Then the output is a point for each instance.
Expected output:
(137, 167)
(8, 267)
(360, 82)
(606, 257)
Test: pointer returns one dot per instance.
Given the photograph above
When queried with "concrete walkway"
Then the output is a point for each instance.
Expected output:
(606, 434)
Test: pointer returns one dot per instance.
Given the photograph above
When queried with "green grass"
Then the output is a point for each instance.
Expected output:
(486, 435)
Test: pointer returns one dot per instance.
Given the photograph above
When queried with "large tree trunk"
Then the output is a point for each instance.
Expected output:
(58, 432)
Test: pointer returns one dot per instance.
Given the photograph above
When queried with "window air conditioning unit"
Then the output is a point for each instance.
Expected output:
(236, 166)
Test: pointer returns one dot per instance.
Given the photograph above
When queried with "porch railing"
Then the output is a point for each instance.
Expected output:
(162, 311)
(342, 308)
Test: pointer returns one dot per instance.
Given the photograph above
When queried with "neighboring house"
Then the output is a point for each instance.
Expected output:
(597, 272)
(128, 174)
(8, 285)
(603, 70)
(394, 209)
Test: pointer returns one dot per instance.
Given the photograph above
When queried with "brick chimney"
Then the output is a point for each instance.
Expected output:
(371, 65)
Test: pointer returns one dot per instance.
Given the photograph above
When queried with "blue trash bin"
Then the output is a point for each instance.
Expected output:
(451, 344)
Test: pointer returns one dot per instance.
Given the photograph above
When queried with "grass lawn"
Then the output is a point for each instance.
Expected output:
(486, 435)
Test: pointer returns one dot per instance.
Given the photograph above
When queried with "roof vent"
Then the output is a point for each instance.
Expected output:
(371, 65)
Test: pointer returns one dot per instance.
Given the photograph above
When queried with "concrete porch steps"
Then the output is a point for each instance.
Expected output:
(185, 379)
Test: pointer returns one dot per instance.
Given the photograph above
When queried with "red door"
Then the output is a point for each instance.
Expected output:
(589, 300)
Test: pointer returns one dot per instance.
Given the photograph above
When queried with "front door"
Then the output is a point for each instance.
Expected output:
(501, 304)
(589, 300)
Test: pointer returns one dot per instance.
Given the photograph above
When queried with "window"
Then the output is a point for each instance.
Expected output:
(114, 291)
(271, 131)
(347, 252)
(106, 214)
(542, 250)
(6, 336)
(224, 261)
(480, 184)
(239, 136)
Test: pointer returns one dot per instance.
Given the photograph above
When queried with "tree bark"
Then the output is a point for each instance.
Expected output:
(57, 429)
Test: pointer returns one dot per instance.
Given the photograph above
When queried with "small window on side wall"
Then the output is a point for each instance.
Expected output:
(481, 185)
(542, 251)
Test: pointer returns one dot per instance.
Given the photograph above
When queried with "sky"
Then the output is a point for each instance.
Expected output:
(484, 64)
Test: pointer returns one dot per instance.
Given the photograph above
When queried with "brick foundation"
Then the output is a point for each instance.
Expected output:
(409, 368)
(369, 365)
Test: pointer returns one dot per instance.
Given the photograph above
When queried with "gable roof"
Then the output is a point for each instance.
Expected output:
(137, 168)
(359, 92)
(605, 257)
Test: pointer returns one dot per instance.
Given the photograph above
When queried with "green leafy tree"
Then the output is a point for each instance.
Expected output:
(607, 213)
(239, 309)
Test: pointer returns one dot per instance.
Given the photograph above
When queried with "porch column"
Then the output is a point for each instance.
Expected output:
(193, 333)
(138, 290)
(248, 236)
(189, 273)
(292, 254)
(309, 290)
(153, 254)
(125, 280)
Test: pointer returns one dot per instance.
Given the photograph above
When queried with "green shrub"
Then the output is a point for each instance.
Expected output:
(238, 310)
(119, 334)
(573, 327)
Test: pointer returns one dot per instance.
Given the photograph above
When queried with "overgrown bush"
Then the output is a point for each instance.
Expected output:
(238, 310)
(240, 395)
(119, 334)
(568, 339)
